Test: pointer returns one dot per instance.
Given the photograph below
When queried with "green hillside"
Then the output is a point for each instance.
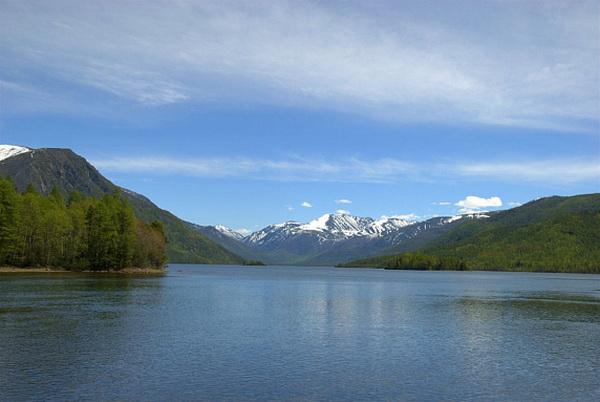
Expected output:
(557, 234)
(186, 244)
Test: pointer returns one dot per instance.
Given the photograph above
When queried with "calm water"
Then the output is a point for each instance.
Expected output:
(241, 333)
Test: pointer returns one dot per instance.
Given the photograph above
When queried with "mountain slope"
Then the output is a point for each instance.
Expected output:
(550, 234)
(47, 168)
(228, 240)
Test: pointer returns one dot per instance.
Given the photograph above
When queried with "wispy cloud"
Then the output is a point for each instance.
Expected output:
(442, 203)
(294, 169)
(342, 212)
(556, 171)
(306, 204)
(343, 201)
(566, 170)
(521, 64)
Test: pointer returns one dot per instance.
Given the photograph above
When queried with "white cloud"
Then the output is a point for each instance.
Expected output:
(556, 171)
(342, 212)
(290, 208)
(343, 201)
(514, 204)
(306, 204)
(442, 203)
(473, 203)
(376, 59)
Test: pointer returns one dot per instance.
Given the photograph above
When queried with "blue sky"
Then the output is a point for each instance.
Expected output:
(238, 113)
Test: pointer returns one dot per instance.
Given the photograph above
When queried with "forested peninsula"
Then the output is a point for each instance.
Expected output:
(76, 233)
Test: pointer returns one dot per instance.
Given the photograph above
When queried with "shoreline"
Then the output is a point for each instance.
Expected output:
(56, 270)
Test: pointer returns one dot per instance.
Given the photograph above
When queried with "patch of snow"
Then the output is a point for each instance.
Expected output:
(229, 232)
(8, 151)
(453, 218)
(319, 224)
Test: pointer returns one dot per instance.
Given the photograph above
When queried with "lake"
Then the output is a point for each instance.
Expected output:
(300, 333)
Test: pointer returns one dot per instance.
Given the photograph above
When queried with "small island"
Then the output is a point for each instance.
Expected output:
(253, 263)
(40, 233)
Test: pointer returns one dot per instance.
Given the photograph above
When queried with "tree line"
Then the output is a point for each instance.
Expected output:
(76, 233)
(411, 261)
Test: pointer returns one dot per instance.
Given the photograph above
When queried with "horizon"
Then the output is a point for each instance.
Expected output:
(245, 117)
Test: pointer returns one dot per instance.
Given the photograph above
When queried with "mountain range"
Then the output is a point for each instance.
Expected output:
(333, 238)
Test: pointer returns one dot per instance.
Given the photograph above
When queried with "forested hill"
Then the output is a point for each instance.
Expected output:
(558, 234)
(78, 233)
(47, 168)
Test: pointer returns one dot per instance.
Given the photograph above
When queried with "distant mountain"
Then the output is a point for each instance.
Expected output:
(558, 234)
(317, 242)
(327, 228)
(333, 238)
(47, 168)
(228, 239)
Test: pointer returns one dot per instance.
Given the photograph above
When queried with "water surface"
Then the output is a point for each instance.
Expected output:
(246, 333)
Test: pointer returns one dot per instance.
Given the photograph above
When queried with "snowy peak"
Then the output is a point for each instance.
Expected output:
(8, 151)
(472, 215)
(276, 232)
(387, 224)
(338, 223)
(226, 231)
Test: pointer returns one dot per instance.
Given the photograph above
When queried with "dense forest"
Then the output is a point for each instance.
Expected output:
(410, 261)
(77, 233)
(553, 234)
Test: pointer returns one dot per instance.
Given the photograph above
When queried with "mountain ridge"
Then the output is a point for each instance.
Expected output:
(333, 238)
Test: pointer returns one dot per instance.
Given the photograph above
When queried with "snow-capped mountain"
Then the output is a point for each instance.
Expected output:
(333, 238)
(226, 231)
(329, 227)
(8, 151)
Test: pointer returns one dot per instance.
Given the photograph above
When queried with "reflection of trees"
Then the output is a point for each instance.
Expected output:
(57, 322)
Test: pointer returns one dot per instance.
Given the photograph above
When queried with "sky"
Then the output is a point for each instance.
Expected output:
(252, 113)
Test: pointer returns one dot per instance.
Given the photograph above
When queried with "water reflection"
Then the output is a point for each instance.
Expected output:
(229, 333)
(51, 323)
